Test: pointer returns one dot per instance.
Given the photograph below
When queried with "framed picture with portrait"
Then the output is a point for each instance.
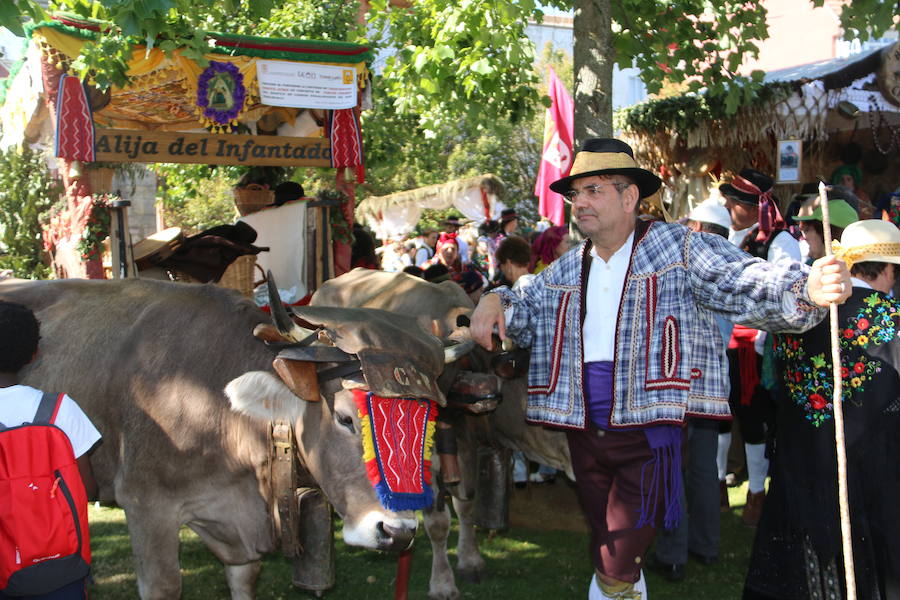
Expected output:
(790, 157)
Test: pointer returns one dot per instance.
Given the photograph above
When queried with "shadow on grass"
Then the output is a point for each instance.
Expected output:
(521, 563)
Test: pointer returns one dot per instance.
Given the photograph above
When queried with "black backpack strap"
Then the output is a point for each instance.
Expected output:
(47, 408)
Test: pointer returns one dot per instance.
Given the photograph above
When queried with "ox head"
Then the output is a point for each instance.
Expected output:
(321, 356)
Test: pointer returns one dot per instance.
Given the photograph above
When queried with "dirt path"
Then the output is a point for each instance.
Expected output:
(550, 506)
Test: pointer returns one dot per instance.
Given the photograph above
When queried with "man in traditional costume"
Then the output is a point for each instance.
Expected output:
(797, 552)
(757, 228)
(624, 347)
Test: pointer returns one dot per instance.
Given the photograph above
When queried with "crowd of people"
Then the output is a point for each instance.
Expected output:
(650, 340)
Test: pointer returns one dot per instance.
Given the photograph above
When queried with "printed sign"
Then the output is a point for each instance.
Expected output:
(306, 85)
(126, 145)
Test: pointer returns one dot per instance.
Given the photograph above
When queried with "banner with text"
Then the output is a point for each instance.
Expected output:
(127, 145)
(306, 85)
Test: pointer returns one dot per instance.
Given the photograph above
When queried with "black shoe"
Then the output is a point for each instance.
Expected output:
(672, 572)
(702, 559)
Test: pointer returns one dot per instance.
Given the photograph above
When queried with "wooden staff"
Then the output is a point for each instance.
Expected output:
(836, 402)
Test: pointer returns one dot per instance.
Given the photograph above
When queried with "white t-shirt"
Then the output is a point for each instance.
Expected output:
(18, 403)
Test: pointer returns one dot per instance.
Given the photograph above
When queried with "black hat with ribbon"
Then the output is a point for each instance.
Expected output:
(752, 187)
(608, 156)
(507, 215)
(749, 186)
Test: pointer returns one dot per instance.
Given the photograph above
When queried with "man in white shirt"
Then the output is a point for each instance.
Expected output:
(425, 244)
(624, 347)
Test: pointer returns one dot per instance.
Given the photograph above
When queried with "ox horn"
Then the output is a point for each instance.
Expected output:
(280, 317)
(457, 351)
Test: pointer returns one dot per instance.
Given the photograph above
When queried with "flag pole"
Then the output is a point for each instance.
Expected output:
(836, 402)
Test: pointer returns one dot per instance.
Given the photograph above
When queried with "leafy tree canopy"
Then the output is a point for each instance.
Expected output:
(453, 59)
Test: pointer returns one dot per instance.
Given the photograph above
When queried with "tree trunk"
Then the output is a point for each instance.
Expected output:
(593, 58)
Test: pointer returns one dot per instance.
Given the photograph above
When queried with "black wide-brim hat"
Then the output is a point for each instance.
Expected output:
(740, 191)
(608, 156)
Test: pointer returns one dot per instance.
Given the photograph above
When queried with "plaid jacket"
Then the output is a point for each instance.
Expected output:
(669, 356)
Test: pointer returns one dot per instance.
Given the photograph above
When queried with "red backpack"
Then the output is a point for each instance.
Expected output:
(44, 541)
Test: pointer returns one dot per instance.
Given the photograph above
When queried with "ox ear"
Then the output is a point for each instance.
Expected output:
(263, 396)
(300, 376)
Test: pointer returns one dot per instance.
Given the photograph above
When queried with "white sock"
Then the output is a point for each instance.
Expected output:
(722, 455)
(757, 467)
(641, 586)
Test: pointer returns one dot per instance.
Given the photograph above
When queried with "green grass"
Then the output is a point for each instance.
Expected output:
(521, 562)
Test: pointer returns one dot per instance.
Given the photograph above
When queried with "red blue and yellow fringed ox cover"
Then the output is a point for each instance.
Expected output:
(397, 437)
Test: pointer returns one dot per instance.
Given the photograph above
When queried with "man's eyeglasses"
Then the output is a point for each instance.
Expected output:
(593, 192)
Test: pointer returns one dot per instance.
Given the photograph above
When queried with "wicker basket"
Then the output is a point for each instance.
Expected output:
(240, 275)
(251, 198)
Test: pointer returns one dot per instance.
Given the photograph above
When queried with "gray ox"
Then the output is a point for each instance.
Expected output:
(150, 363)
(436, 308)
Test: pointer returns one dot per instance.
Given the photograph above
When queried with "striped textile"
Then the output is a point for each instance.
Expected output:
(74, 121)
(669, 356)
(345, 135)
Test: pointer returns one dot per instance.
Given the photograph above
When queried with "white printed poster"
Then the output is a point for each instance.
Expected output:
(306, 85)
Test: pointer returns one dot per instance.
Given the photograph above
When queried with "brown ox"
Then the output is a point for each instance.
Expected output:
(150, 361)
(436, 308)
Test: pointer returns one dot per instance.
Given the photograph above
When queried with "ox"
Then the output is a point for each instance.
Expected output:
(442, 309)
(150, 363)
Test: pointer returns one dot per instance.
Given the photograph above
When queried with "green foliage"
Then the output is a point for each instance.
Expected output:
(681, 114)
(197, 197)
(455, 60)
(864, 19)
(97, 229)
(26, 191)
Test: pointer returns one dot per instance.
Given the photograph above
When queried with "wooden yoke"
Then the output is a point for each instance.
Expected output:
(300, 376)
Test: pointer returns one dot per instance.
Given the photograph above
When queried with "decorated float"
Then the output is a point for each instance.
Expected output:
(248, 101)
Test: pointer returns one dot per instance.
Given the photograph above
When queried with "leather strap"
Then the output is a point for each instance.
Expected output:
(284, 482)
(47, 408)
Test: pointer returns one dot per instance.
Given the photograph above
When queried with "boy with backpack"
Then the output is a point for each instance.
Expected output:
(45, 476)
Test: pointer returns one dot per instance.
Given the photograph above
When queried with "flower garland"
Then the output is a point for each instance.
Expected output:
(97, 228)
(221, 94)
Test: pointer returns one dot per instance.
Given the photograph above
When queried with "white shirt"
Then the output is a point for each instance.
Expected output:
(606, 282)
(18, 403)
(783, 247)
(855, 282)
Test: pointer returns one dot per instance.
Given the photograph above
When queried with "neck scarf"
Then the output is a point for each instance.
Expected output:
(770, 219)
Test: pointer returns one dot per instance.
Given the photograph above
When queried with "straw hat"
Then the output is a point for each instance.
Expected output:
(869, 240)
(710, 211)
(607, 156)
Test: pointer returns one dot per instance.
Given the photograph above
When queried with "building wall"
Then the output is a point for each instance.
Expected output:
(628, 88)
(799, 33)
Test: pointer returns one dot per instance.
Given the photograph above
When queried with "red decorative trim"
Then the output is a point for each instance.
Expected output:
(556, 355)
(669, 353)
(696, 373)
(59, 399)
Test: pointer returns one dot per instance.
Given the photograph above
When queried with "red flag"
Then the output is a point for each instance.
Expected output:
(556, 158)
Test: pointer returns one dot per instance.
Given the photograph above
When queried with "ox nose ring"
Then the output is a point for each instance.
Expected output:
(401, 538)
